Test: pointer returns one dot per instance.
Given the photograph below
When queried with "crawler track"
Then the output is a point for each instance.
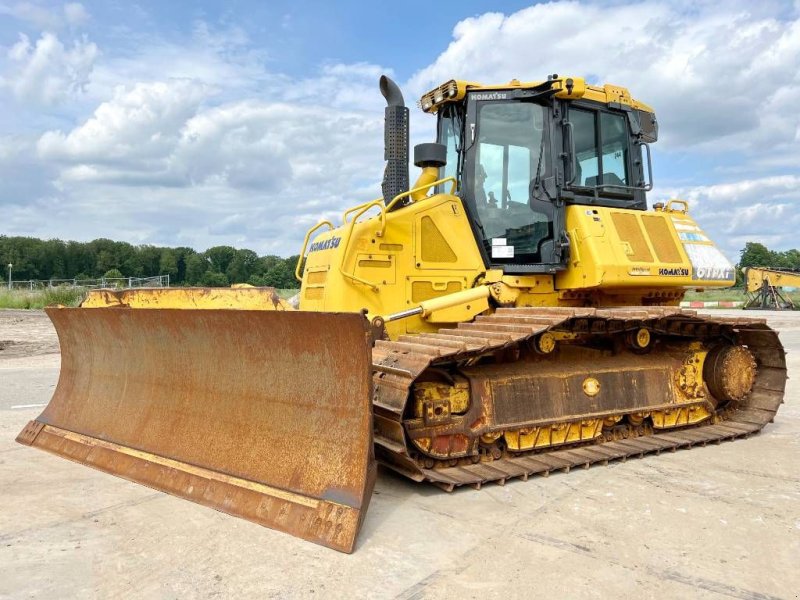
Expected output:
(398, 364)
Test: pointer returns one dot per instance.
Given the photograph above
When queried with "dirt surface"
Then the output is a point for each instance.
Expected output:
(715, 522)
(26, 333)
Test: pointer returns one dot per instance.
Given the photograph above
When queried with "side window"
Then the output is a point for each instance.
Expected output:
(586, 158)
(614, 134)
(601, 148)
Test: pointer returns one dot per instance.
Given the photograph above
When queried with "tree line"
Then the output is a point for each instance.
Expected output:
(219, 266)
(758, 255)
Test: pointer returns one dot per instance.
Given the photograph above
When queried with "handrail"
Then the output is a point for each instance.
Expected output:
(683, 203)
(363, 208)
(346, 247)
(297, 270)
(394, 201)
(353, 209)
(391, 204)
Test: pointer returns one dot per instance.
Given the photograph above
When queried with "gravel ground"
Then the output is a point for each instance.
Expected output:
(715, 522)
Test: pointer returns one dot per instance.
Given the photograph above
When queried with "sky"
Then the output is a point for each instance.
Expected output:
(245, 122)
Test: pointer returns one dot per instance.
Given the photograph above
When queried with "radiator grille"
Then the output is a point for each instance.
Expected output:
(630, 231)
(661, 238)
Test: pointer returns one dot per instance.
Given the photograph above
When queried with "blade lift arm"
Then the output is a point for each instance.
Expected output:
(458, 307)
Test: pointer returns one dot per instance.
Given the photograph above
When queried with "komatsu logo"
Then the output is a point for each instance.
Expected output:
(325, 244)
(676, 272)
(490, 96)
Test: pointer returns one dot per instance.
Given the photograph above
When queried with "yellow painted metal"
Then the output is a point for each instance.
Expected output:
(424, 186)
(438, 400)
(546, 343)
(298, 267)
(349, 226)
(553, 435)
(426, 179)
(458, 307)
(689, 378)
(570, 88)
(756, 276)
(393, 260)
(619, 251)
(677, 417)
(239, 298)
(394, 237)
(642, 338)
(591, 387)
(490, 437)
(637, 418)
(606, 94)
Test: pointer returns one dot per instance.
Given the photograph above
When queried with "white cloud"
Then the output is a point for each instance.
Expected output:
(734, 213)
(713, 72)
(195, 141)
(47, 72)
(46, 17)
(75, 13)
(251, 173)
(30, 12)
(136, 130)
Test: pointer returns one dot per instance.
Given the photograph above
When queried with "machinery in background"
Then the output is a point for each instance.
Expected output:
(763, 287)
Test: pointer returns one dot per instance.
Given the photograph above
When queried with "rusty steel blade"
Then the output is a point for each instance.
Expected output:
(264, 415)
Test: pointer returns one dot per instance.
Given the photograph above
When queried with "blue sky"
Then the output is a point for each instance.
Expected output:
(243, 123)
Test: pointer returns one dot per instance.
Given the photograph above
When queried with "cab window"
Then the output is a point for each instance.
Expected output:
(601, 149)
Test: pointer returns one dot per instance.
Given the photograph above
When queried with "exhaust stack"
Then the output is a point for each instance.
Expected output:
(395, 141)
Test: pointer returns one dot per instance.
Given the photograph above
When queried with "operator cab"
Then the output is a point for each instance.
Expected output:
(522, 152)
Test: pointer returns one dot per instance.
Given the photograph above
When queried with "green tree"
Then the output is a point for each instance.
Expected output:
(196, 267)
(242, 266)
(105, 261)
(756, 255)
(214, 279)
(168, 265)
(221, 257)
(280, 276)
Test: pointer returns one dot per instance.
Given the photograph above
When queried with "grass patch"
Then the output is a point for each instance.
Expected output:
(287, 293)
(729, 295)
(33, 299)
(726, 295)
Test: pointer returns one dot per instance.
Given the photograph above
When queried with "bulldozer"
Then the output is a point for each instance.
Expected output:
(514, 312)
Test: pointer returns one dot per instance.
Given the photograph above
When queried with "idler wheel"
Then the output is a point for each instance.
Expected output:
(729, 372)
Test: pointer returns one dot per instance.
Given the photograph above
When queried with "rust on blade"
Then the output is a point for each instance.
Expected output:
(263, 415)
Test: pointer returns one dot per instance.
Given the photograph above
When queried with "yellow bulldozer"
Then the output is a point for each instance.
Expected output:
(511, 313)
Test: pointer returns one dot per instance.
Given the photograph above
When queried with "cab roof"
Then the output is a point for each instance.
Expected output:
(569, 88)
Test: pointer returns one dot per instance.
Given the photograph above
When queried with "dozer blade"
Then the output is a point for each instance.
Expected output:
(260, 414)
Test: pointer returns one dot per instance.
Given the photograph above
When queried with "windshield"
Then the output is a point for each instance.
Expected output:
(511, 161)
